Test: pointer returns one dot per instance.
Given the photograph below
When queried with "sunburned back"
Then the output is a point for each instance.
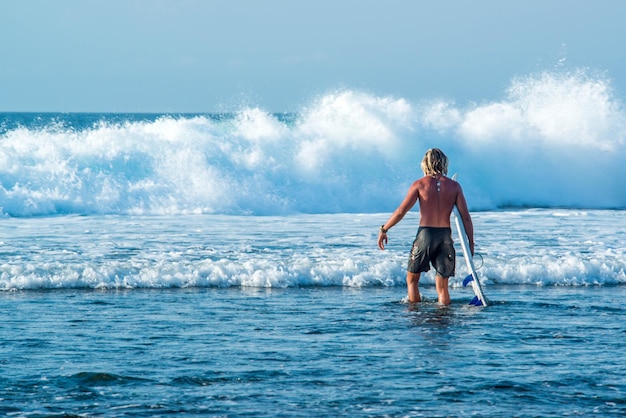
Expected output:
(437, 196)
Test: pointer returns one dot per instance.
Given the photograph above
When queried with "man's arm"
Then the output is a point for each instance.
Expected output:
(409, 201)
(461, 204)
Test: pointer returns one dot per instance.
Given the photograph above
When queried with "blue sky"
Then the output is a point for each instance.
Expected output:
(206, 55)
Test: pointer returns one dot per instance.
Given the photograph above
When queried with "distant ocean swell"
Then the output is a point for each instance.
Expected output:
(555, 139)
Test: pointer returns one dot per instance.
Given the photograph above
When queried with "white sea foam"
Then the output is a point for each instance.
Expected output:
(555, 139)
(535, 247)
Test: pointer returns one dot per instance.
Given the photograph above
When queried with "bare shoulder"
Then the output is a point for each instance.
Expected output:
(453, 189)
(420, 181)
(453, 183)
(417, 184)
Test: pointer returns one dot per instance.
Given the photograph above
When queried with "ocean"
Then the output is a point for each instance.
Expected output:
(226, 264)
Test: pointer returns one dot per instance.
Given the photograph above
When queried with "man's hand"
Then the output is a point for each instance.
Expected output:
(382, 240)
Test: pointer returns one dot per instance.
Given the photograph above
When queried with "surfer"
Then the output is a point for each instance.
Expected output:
(437, 194)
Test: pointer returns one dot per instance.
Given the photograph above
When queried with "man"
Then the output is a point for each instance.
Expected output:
(437, 195)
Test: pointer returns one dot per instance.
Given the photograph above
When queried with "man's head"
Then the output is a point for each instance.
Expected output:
(435, 162)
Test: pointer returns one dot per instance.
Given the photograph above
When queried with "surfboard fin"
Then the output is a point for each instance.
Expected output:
(467, 280)
(476, 302)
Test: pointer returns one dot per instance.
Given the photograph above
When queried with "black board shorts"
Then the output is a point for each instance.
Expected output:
(433, 246)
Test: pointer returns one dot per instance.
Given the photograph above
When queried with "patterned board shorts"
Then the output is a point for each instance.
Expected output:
(433, 246)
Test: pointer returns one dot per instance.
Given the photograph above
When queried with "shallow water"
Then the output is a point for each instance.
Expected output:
(303, 316)
(317, 351)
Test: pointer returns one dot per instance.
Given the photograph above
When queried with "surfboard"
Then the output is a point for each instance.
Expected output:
(479, 298)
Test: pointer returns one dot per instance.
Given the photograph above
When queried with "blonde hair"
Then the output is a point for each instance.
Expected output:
(435, 162)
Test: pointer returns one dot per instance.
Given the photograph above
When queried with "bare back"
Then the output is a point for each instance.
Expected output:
(437, 196)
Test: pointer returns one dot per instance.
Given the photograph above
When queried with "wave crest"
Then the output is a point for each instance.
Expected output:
(555, 140)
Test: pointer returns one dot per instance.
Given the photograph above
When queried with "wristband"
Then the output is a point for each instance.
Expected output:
(383, 230)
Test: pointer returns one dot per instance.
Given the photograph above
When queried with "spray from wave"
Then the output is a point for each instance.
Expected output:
(556, 139)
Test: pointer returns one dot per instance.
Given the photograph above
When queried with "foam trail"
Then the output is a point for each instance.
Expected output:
(125, 252)
(556, 139)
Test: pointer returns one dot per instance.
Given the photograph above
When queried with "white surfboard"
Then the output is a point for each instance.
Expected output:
(479, 299)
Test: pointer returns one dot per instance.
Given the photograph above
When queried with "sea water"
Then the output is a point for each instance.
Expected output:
(311, 352)
(302, 315)
(226, 264)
